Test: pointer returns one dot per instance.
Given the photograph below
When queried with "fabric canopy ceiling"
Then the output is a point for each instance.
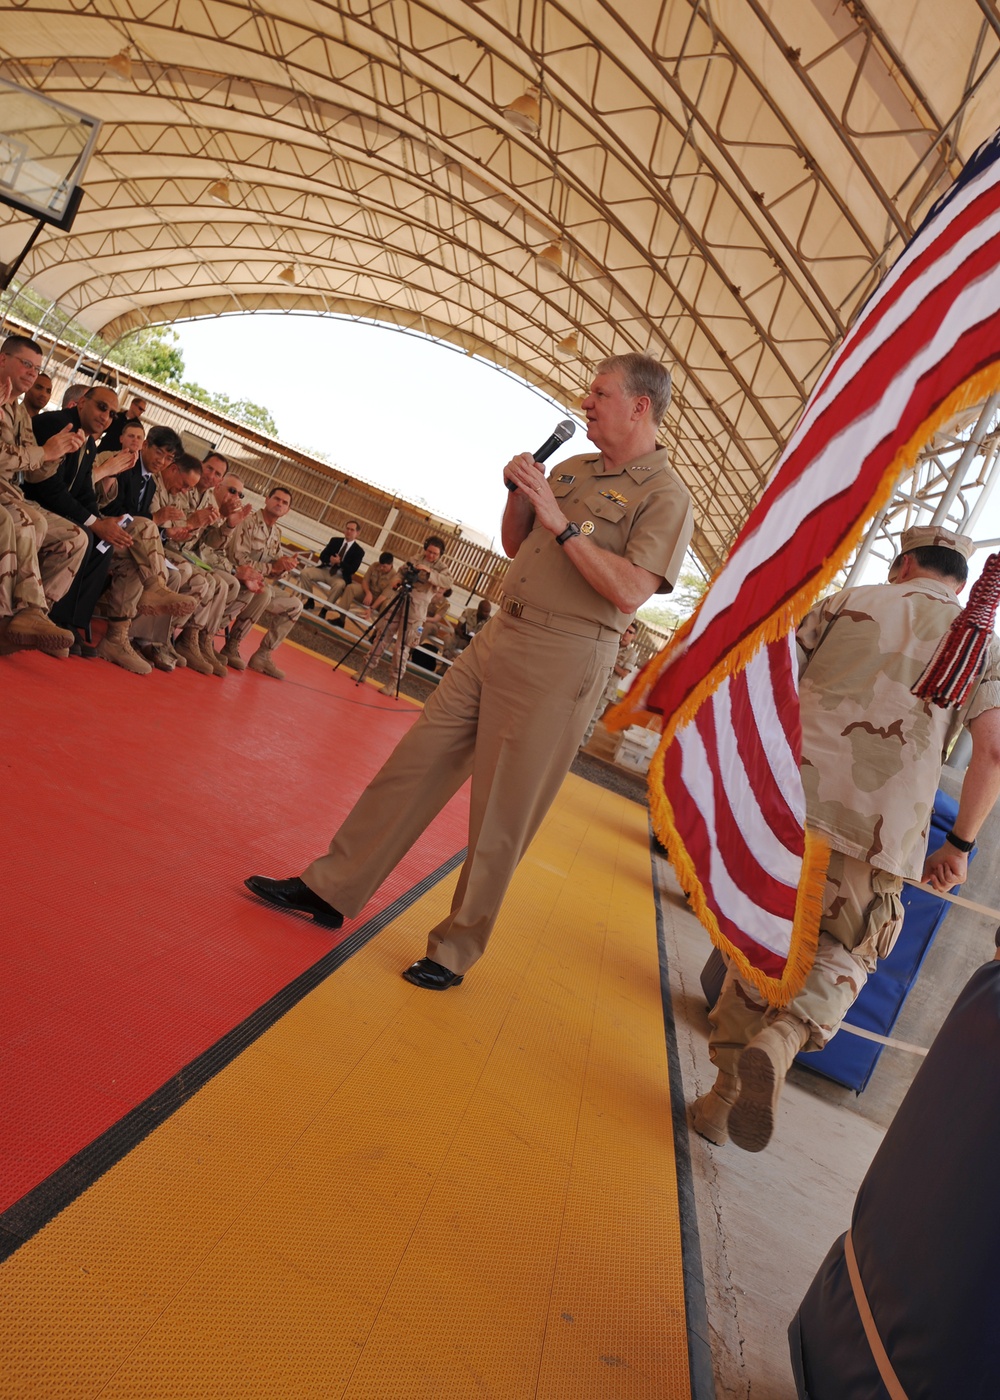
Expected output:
(543, 183)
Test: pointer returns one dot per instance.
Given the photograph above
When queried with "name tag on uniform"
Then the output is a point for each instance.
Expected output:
(566, 477)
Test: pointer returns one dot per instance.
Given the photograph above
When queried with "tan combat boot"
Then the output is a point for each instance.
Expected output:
(763, 1067)
(211, 655)
(157, 601)
(710, 1113)
(117, 649)
(155, 654)
(188, 646)
(31, 629)
(263, 662)
(231, 655)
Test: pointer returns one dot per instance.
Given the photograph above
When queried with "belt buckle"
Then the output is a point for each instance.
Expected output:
(512, 606)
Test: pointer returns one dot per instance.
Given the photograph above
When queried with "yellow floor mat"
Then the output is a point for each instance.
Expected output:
(400, 1193)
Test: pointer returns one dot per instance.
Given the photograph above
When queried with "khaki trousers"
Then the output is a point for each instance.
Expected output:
(862, 916)
(509, 714)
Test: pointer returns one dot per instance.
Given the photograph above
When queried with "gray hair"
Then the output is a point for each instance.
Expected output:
(640, 374)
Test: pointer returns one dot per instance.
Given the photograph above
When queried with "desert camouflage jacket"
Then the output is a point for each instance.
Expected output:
(872, 752)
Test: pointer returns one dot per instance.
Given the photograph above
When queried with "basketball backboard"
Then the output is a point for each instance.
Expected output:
(44, 150)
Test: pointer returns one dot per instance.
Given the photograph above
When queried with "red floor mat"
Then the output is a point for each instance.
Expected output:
(135, 807)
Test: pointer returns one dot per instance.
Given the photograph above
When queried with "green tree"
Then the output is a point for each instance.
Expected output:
(152, 352)
(674, 608)
(245, 411)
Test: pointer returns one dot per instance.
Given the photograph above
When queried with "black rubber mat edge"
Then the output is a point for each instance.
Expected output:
(699, 1341)
(44, 1202)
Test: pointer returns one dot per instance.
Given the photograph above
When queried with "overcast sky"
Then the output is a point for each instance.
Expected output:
(409, 414)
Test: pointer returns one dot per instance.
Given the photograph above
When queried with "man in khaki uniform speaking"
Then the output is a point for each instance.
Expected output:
(589, 546)
(871, 760)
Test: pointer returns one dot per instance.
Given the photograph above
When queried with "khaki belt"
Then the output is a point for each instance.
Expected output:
(559, 622)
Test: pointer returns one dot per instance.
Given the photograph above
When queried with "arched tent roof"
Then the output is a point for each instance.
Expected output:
(717, 183)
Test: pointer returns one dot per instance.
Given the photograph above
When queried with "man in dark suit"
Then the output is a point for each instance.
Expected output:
(338, 563)
(70, 492)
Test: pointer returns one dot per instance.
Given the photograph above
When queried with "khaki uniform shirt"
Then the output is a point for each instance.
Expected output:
(872, 752)
(197, 499)
(19, 452)
(647, 519)
(376, 582)
(213, 543)
(255, 542)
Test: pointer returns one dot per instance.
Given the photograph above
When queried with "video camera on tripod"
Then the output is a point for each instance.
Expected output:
(410, 574)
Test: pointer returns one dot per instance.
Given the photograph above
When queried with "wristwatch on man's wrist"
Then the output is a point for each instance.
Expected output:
(964, 846)
(571, 529)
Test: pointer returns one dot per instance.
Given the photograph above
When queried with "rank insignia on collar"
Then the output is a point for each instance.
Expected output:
(615, 496)
(566, 477)
(642, 469)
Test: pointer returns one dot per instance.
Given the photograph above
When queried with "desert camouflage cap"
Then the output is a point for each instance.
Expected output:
(924, 536)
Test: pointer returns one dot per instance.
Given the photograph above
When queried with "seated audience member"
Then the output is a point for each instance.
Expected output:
(138, 574)
(212, 545)
(37, 397)
(66, 489)
(339, 562)
(255, 548)
(473, 620)
(375, 590)
(73, 394)
(173, 510)
(122, 459)
(50, 550)
(112, 439)
(437, 624)
(20, 590)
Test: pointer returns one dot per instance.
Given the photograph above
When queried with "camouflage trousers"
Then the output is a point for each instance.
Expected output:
(392, 630)
(144, 562)
(862, 916)
(276, 610)
(49, 550)
(200, 584)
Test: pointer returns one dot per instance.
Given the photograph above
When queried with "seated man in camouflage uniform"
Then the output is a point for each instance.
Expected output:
(872, 755)
(255, 550)
(50, 549)
(178, 492)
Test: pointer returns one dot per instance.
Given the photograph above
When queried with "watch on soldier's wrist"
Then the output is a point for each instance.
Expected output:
(964, 846)
(571, 529)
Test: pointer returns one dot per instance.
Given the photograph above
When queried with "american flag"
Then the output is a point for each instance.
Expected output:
(725, 791)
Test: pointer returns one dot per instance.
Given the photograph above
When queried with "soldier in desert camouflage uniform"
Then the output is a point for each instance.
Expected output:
(255, 548)
(177, 491)
(872, 756)
(50, 549)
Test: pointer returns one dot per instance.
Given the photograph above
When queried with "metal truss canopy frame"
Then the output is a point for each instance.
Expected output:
(720, 184)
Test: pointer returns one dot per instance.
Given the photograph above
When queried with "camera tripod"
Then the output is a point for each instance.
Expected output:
(398, 611)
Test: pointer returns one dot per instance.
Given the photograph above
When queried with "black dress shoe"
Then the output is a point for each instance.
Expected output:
(427, 973)
(294, 894)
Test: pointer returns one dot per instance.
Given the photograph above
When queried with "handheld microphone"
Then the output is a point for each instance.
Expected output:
(562, 433)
